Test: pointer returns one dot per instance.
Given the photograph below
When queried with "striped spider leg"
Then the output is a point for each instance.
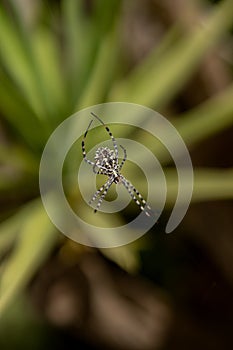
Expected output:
(103, 189)
(133, 192)
(106, 162)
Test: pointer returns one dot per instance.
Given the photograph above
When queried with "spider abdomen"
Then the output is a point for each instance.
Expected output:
(105, 158)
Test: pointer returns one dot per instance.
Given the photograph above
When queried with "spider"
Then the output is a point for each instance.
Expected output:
(106, 162)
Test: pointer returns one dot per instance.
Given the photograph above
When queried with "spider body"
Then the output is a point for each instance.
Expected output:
(106, 162)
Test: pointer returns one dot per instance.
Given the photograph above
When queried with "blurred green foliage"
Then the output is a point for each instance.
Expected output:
(68, 58)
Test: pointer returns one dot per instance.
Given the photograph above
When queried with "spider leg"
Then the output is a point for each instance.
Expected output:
(124, 159)
(107, 186)
(100, 169)
(83, 146)
(98, 192)
(94, 169)
(131, 190)
(110, 134)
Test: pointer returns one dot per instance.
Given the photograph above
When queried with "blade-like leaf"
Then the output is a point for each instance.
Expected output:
(15, 56)
(36, 237)
(99, 81)
(46, 58)
(209, 184)
(209, 118)
(78, 45)
(20, 115)
(166, 78)
(8, 231)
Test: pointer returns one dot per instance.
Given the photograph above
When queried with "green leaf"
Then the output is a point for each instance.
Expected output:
(209, 184)
(15, 56)
(35, 240)
(8, 232)
(99, 82)
(166, 78)
(203, 121)
(46, 57)
(104, 15)
(78, 46)
(209, 118)
(20, 115)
